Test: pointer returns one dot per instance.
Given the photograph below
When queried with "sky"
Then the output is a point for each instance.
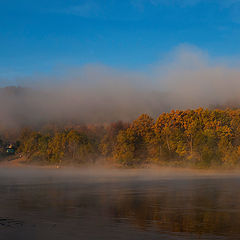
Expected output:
(108, 60)
(43, 37)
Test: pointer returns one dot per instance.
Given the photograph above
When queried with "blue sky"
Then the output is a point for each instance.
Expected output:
(42, 36)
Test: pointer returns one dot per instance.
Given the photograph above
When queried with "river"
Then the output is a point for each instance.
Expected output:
(111, 204)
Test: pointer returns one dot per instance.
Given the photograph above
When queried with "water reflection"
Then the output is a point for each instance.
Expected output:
(204, 208)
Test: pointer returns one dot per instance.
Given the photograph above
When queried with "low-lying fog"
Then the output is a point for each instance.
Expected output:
(30, 175)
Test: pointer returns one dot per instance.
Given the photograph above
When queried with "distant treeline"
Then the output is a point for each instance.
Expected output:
(198, 137)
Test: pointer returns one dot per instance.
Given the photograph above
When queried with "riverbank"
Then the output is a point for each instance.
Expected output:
(106, 170)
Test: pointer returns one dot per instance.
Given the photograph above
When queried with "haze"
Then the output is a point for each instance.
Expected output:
(186, 78)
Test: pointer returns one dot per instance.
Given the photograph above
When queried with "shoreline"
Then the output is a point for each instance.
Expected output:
(154, 170)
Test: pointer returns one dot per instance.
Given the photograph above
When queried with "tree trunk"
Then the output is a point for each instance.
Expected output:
(168, 145)
(191, 144)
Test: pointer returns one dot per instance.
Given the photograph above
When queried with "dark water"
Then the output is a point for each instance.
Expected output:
(52, 204)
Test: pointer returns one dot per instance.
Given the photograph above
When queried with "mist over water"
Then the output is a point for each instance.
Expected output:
(186, 78)
(118, 204)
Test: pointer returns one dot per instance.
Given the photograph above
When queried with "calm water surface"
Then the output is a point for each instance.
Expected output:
(65, 204)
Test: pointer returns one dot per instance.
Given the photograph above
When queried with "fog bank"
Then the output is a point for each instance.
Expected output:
(186, 78)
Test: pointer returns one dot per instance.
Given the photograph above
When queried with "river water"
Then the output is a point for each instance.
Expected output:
(109, 204)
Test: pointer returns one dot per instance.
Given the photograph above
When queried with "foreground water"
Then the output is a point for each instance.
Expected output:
(108, 204)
